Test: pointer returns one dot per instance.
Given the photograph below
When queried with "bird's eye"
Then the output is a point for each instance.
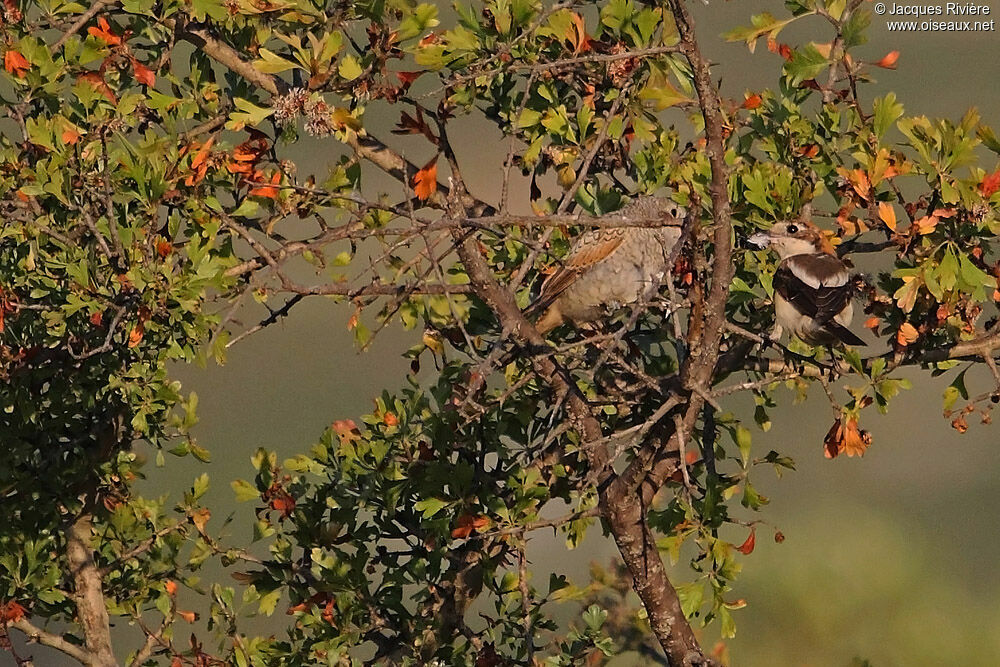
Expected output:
(793, 229)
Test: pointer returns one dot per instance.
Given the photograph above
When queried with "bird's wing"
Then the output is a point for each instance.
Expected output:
(590, 248)
(816, 285)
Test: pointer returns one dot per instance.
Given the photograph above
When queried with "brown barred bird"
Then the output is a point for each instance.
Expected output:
(611, 266)
(813, 289)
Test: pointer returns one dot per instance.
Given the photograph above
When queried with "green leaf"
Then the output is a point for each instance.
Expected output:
(244, 490)
(887, 112)
(806, 63)
(271, 63)
(594, 617)
(349, 68)
(430, 506)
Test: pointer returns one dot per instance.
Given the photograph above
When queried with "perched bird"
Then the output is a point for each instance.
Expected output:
(812, 286)
(611, 266)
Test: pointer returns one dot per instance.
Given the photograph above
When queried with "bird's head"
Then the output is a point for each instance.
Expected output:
(791, 238)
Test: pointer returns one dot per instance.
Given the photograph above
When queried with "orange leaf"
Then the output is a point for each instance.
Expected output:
(202, 155)
(425, 180)
(390, 419)
(577, 35)
(907, 334)
(200, 518)
(887, 214)
(748, 544)
(267, 190)
(752, 101)
(103, 33)
(283, 503)
(70, 136)
(188, 616)
(98, 83)
(989, 184)
(164, 248)
(926, 224)
(783, 50)
(11, 612)
(872, 323)
(888, 61)
(327, 614)
(142, 73)
(15, 63)
(845, 436)
(171, 587)
(467, 524)
(135, 335)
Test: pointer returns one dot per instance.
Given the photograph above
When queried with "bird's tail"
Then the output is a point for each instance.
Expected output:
(843, 334)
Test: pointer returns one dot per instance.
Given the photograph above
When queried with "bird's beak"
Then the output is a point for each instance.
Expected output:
(760, 239)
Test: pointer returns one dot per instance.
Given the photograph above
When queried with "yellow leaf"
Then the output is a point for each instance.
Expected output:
(887, 214)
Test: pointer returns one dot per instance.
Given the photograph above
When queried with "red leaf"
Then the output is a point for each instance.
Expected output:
(11, 612)
(425, 180)
(142, 73)
(990, 184)
(748, 544)
(15, 63)
(283, 503)
(752, 101)
(407, 78)
(888, 61)
(103, 33)
(783, 50)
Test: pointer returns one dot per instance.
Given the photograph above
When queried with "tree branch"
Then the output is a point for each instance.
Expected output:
(36, 634)
(89, 594)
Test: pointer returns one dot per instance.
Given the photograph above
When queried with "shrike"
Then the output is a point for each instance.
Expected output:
(611, 266)
(812, 286)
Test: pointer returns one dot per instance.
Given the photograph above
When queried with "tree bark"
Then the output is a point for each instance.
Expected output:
(89, 593)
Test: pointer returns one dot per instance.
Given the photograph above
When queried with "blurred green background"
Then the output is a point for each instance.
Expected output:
(889, 558)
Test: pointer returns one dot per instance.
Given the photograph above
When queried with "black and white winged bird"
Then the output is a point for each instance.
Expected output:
(813, 289)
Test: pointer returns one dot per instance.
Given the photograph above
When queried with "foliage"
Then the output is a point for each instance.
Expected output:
(149, 187)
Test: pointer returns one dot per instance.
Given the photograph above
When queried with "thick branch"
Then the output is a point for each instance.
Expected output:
(226, 55)
(46, 638)
(88, 592)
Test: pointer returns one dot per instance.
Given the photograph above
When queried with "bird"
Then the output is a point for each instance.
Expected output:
(611, 266)
(813, 289)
